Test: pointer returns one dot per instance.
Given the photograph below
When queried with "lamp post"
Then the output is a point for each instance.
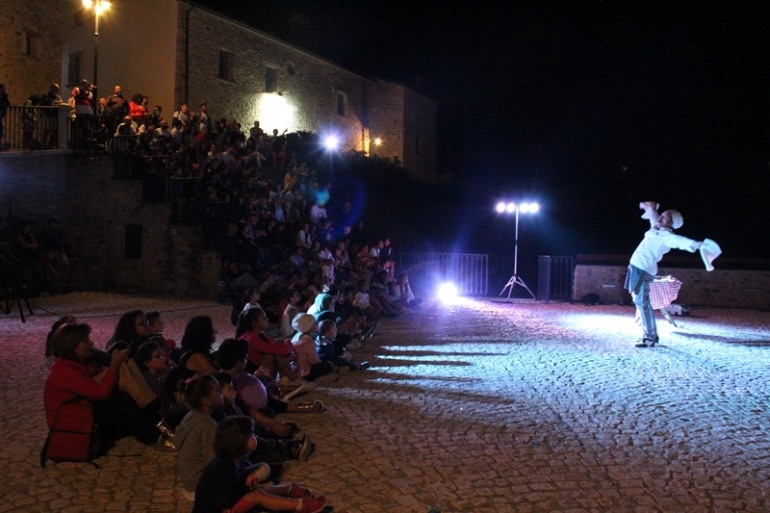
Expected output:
(516, 208)
(98, 6)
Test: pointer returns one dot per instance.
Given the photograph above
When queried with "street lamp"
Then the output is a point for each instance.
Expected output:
(98, 6)
(514, 208)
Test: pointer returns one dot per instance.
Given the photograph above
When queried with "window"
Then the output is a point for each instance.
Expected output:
(225, 65)
(31, 44)
(134, 240)
(271, 79)
(73, 68)
(342, 104)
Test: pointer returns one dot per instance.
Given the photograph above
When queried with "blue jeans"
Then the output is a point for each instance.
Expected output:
(638, 284)
(644, 307)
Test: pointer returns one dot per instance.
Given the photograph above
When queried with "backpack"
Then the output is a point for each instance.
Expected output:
(74, 436)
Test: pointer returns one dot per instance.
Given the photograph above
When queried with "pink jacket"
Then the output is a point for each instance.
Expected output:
(69, 380)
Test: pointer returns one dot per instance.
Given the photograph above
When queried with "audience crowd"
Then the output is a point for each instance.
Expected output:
(307, 288)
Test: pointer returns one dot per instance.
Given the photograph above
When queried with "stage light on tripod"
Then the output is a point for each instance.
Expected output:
(525, 207)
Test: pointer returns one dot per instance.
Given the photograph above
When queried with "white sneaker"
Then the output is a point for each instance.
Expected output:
(298, 387)
(261, 472)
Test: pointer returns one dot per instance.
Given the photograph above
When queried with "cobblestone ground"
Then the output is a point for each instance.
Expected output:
(478, 407)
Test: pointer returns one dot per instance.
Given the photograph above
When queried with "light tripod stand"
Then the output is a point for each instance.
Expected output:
(515, 279)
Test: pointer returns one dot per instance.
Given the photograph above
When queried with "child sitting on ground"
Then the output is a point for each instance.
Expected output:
(333, 349)
(194, 437)
(230, 484)
(155, 328)
(310, 364)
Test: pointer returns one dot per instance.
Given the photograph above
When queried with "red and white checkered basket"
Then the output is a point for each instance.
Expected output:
(663, 291)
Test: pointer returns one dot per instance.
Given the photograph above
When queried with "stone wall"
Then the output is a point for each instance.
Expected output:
(96, 211)
(419, 135)
(720, 288)
(30, 46)
(385, 111)
(306, 84)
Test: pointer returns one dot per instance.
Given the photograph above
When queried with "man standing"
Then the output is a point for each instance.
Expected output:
(643, 267)
(117, 108)
(50, 116)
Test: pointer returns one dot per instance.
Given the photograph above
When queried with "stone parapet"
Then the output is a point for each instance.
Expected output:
(731, 288)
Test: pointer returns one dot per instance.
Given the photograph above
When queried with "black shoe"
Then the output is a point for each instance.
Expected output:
(301, 449)
(647, 342)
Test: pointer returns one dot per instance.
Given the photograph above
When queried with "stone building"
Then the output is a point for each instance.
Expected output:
(30, 46)
(177, 52)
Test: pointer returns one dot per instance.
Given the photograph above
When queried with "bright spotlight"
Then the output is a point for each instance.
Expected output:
(529, 208)
(331, 142)
(517, 208)
(447, 292)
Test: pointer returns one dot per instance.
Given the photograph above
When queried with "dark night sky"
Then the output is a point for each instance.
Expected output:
(589, 106)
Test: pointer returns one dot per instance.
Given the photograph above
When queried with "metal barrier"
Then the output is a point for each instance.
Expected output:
(555, 277)
(33, 127)
(469, 272)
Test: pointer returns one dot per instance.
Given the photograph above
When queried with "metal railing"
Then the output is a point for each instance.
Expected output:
(35, 128)
(555, 277)
(469, 272)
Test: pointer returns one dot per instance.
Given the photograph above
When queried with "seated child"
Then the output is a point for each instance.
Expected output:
(333, 349)
(155, 328)
(230, 484)
(270, 448)
(194, 437)
(310, 364)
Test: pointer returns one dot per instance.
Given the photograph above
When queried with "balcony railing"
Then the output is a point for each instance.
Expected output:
(35, 128)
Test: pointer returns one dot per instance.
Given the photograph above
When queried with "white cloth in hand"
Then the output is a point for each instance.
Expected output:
(709, 251)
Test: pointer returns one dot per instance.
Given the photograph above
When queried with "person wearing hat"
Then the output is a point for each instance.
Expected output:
(311, 366)
(83, 98)
(643, 266)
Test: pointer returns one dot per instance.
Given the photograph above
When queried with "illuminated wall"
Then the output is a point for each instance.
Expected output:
(280, 85)
(30, 45)
(172, 51)
(137, 48)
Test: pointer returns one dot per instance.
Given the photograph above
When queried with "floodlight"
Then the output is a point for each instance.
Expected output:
(516, 208)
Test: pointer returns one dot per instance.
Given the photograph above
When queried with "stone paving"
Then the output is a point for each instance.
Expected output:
(483, 406)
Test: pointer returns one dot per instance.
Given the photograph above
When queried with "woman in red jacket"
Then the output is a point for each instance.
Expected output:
(267, 356)
(137, 110)
(74, 376)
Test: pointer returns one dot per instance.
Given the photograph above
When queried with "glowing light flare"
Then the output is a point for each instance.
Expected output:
(275, 111)
(378, 141)
(99, 6)
(526, 207)
(322, 196)
(331, 142)
(447, 292)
